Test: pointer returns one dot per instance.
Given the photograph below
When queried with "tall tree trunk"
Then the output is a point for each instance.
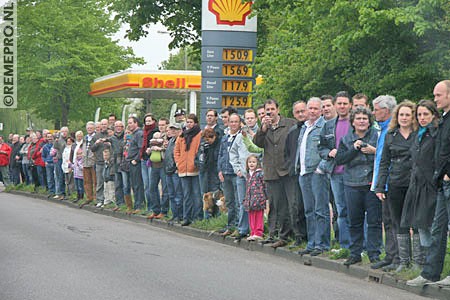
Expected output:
(65, 111)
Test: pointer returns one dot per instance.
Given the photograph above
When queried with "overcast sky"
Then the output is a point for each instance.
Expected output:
(154, 48)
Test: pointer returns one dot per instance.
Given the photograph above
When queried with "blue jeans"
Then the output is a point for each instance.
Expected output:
(118, 188)
(436, 253)
(361, 202)
(337, 186)
(175, 195)
(192, 203)
(79, 186)
(316, 199)
(41, 175)
(60, 186)
(137, 185)
(15, 174)
(100, 188)
(50, 168)
(126, 184)
(27, 172)
(158, 204)
(231, 198)
(425, 237)
(243, 225)
(146, 173)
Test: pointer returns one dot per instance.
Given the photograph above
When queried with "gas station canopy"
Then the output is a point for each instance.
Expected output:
(161, 84)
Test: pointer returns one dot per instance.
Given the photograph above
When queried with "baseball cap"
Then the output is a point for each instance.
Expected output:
(175, 126)
(180, 112)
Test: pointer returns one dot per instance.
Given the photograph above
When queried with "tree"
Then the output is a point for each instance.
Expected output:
(182, 18)
(63, 46)
(376, 47)
(186, 59)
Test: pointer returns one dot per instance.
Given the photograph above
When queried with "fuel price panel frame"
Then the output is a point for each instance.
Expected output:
(229, 72)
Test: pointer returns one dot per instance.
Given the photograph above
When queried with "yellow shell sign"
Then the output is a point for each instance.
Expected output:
(230, 12)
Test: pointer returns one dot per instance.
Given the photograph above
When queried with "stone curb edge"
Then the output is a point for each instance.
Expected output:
(317, 261)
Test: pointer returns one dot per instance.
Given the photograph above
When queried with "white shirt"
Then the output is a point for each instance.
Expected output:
(309, 127)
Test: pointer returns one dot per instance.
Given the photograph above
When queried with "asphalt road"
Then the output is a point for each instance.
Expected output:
(51, 251)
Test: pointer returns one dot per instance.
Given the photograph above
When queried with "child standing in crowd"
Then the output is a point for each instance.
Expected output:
(255, 198)
(77, 167)
(108, 174)
(68, 172)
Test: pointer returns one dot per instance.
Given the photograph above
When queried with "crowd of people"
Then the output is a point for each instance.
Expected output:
(382, 169)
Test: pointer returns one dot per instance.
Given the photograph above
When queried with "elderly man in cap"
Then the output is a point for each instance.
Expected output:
(180, 117)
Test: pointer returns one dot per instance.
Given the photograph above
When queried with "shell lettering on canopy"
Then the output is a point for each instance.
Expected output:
(230, 12)
(177, 83)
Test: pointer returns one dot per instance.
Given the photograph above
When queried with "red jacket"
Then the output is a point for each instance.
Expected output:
(35, 153)
(5, 152)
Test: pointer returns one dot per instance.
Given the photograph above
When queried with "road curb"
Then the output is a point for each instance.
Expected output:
(358, 271)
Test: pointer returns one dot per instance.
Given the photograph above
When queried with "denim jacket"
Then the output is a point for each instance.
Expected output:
(312, 159)
(358, 169)
(224, 164)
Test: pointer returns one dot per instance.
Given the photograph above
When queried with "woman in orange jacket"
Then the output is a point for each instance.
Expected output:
(186, 148)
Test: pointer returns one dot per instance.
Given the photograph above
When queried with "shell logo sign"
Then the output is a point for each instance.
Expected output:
(230, 12)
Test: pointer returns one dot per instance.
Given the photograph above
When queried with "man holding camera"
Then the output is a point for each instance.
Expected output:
(272, 137)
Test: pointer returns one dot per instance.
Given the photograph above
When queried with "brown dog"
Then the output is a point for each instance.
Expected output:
(213, 202)
(222, 205)
(208, 202)
(219, 200)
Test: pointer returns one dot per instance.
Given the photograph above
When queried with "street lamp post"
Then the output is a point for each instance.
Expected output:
(185, 68)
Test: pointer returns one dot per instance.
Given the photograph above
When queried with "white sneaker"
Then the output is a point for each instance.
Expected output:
(99, 205)
(444, 282)
(251, 238)
(418, 281)
(257, 238)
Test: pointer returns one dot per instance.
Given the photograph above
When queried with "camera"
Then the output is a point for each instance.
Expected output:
(363, 145)
(245, 128)
(268, 114)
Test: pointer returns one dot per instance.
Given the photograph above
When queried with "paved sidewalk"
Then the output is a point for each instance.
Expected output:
(360, 271)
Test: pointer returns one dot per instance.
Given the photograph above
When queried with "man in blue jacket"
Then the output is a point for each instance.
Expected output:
(314, 187)
(383, 106)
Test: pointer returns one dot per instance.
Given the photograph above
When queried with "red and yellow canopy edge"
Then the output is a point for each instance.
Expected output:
(177, 80)
(158, 80)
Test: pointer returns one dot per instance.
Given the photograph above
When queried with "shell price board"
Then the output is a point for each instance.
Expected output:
(228, 53)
